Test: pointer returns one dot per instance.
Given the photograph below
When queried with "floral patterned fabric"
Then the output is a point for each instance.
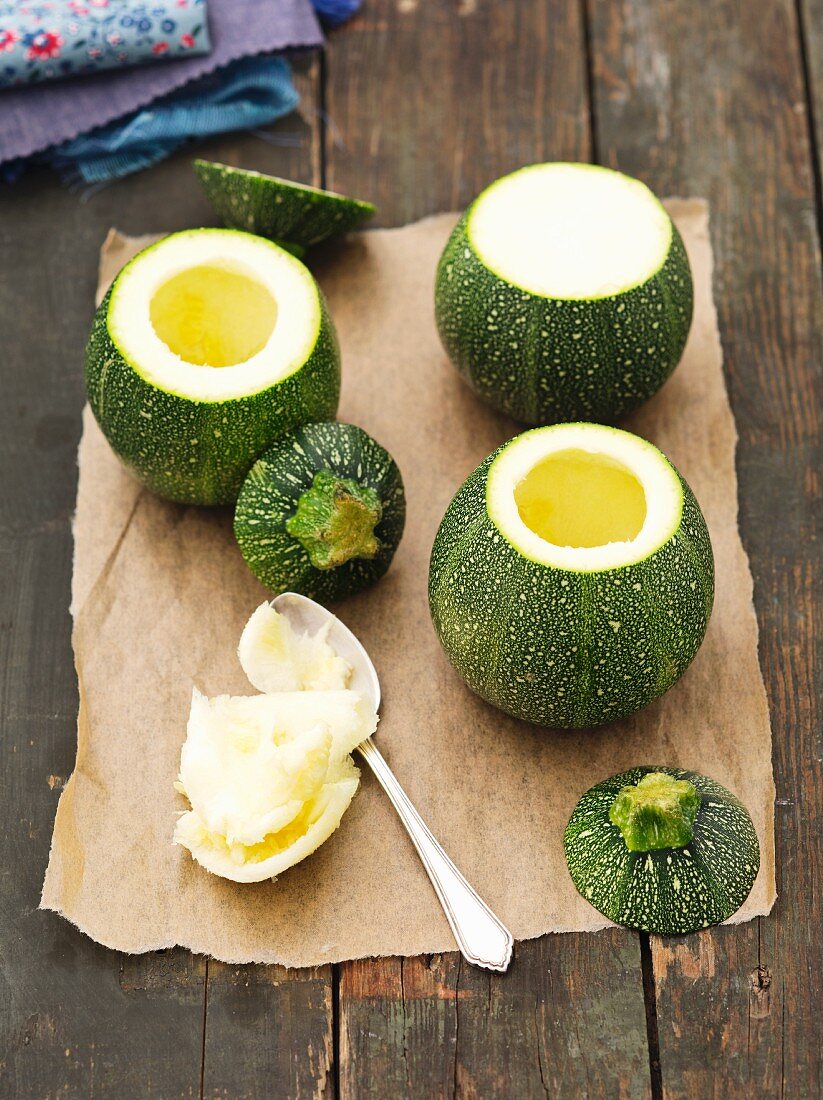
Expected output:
(47, 39)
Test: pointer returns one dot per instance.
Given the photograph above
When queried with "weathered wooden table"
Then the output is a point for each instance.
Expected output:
(416, 105)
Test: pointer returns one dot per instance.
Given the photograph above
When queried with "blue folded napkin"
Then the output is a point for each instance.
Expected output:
(248, 93)
(50, 39)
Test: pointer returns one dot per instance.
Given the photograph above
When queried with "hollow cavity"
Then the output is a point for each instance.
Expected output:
(213, 316)
(580, 499)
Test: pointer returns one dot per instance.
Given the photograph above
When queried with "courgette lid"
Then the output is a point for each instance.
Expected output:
(204, 167)
(214, 314)
(321, 512)
(583, 497)
(570, 231)
(662, 849)
(296, 215)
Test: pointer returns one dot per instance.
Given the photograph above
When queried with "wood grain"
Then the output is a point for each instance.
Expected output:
(435, 1026)
(810, 26)
(710, 101)
(427, 104)
(268, 1032)
(398, 1026)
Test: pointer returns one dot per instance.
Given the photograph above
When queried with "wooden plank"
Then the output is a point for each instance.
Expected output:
(426, 104)
(76, 1019)
(567, 1020)
(268, 1032)
(810, 16)
(70, 1016)
(709, 100)
(398, 1026)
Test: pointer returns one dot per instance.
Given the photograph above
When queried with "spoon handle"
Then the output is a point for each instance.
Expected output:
(482, 938)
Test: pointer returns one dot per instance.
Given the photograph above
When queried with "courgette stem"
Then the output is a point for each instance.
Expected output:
(335, 520)
(658, 812)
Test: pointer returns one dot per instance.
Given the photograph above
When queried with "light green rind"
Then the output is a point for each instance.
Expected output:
(670, 890)
(271, 496)
(199, 452)
(563, 648)
(543, 360)
(276, 208)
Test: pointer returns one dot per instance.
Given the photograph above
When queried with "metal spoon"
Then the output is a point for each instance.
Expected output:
(483, 939)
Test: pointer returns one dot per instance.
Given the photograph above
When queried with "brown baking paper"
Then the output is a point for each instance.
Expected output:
(160, 595)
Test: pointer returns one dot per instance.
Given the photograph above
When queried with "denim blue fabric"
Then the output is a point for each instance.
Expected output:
(251, 92)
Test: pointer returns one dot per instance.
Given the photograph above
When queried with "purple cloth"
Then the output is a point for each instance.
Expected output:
(32, 119)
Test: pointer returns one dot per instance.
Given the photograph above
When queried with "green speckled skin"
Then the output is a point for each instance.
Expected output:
(546, 360)
(270, 496)
(276, 208)
(670, 891)
(561, 648)
(198, 452)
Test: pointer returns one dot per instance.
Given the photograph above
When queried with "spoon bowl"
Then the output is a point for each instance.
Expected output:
(308, 617)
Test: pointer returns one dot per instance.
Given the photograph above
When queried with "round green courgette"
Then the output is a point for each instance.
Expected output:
(662, 850)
